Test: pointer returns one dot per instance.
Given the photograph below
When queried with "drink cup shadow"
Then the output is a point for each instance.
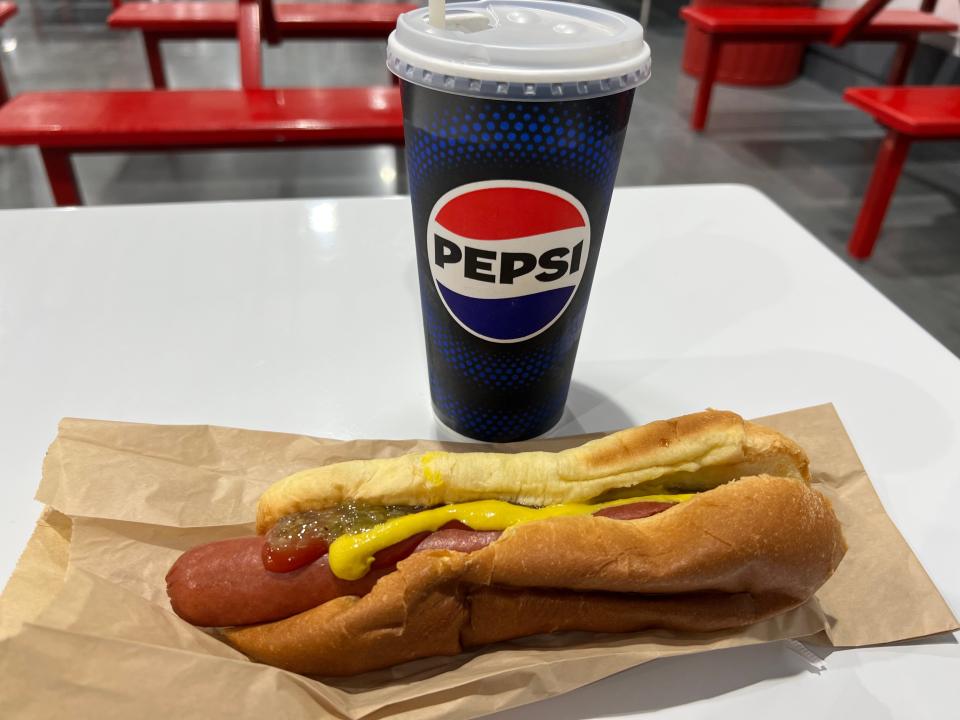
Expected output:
(588, 411)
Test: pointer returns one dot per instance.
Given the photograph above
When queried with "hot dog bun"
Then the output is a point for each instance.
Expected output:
(692, 452)
(729, 557)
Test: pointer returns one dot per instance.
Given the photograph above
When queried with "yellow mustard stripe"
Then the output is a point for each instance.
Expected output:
(351, 555)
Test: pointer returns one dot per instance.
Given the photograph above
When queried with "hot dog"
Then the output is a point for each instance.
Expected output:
(697, 523)
(226, 583)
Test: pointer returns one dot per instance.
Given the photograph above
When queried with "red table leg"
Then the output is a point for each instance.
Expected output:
(63, 181)
(857, 21)
(4, 95)
(886, 172)
(698, 119)
(271, 32)
(151, 44)
(901, 62)
(248, 39)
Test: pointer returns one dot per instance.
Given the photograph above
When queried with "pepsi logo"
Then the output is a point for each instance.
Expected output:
(507, 256)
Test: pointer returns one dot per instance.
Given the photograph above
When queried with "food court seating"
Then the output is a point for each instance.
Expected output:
(184, 20)
(909, 114)
(743, 24)
(7, 11)
(64, 123)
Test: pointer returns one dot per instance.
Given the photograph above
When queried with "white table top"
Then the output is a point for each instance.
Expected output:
(303, 316)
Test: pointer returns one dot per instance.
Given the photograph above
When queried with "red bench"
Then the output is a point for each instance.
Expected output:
(804, 24)
(159, 21)
(7, 11)
(64, 123)
(909, 114)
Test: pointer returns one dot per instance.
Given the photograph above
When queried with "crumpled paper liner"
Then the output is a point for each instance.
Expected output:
(88, 630)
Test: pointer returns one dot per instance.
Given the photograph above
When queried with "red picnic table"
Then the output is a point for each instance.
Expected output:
(910, 114)
(64, 123)
(159, 21)
(746, 24)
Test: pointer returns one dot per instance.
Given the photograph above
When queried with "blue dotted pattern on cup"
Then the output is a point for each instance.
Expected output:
(567, 137)
(492, 369)
(497, 426)
(496, 370)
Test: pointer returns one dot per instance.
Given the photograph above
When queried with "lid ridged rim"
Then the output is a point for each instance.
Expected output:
(454, 61)
(515, 90)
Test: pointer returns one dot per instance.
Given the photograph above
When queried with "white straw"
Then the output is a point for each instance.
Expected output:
(438, 13)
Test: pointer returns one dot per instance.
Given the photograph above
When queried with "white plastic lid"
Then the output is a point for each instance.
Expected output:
(521, 49)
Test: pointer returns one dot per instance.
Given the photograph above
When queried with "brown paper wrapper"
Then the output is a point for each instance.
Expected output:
(88, 629)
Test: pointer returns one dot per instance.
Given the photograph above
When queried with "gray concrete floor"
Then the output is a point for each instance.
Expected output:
(800, 144)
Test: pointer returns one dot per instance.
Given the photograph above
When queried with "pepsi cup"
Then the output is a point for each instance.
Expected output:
(514, 118)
